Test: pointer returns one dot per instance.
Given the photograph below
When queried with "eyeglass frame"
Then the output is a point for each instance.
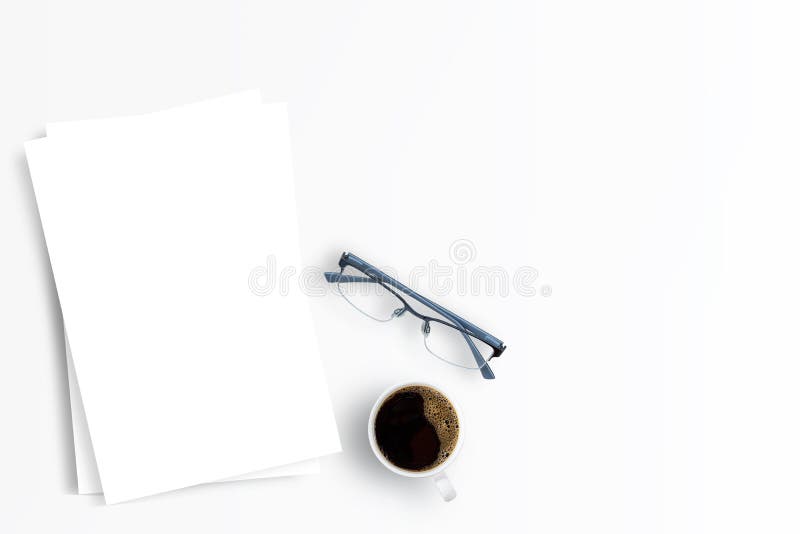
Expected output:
(467, 329)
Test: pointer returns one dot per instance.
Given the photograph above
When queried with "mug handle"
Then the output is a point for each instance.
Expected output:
(445, 487)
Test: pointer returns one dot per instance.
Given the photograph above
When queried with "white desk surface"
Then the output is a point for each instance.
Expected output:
(635, 154)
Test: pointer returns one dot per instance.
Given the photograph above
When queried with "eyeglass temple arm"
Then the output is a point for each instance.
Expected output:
(335, 278)
(485, 370)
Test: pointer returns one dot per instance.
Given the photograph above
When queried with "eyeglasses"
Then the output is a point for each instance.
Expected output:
(448, 337)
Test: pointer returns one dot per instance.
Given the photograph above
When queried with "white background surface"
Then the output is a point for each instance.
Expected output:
(641, 155)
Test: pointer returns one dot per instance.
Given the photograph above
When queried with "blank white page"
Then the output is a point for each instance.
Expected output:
(88, 477)
(152, 238)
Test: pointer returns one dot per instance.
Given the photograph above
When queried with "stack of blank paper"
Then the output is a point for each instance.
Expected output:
(179, 372)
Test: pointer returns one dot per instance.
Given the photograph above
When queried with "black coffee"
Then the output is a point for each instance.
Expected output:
(416, 428)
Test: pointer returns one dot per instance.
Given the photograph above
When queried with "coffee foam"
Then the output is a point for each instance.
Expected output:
(439, 412)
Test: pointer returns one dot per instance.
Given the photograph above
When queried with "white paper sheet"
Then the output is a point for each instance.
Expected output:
(86, 466)
(88, 477)
(212, 380)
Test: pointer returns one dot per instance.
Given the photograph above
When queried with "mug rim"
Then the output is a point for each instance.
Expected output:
(373, 443)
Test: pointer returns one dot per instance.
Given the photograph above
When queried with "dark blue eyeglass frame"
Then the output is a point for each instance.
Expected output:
(467, 329)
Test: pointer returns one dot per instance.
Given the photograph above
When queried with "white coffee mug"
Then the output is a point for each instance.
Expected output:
(437, 474)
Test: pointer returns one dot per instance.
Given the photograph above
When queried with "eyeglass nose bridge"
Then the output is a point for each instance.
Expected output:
(426, 328)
